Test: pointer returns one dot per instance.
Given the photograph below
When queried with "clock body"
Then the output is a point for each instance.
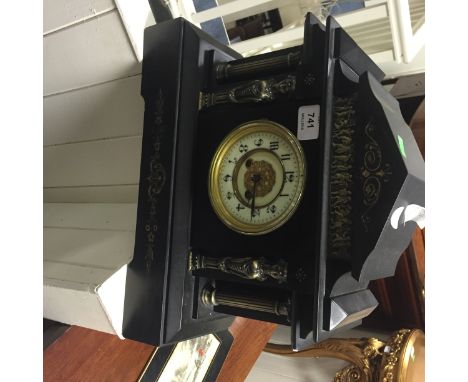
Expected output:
(242, 214)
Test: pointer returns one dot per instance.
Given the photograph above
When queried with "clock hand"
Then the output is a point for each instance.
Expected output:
(255, 178)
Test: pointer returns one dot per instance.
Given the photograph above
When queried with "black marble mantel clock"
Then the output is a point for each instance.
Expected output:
(273, 187)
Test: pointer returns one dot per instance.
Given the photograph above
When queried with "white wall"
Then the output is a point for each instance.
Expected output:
(93, 122)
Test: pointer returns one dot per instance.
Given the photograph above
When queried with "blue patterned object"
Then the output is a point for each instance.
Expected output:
(215, 27)
(344, 6)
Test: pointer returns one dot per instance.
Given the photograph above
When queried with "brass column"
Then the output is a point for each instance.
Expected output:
(213, 297)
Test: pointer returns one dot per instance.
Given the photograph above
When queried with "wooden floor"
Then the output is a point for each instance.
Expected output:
(86, 355)
(250, 337)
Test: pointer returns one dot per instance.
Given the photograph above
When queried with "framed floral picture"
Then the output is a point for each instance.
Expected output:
(195, 360)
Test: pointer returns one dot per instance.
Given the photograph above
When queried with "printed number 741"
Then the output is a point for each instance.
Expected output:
(311, 119)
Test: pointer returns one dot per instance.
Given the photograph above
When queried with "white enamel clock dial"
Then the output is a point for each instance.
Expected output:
(257, 177)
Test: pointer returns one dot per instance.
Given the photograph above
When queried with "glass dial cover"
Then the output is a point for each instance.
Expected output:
(257, 177)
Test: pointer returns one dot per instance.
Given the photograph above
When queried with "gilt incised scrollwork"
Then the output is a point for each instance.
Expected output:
(374, 173)
(156, 179)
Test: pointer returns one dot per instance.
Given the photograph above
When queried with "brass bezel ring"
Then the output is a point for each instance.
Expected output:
(215, 197)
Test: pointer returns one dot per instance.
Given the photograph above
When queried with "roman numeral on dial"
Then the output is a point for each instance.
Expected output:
(274, 145)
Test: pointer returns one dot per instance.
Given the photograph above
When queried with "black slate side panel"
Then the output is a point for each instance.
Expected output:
(146, 276)
(159, 288)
